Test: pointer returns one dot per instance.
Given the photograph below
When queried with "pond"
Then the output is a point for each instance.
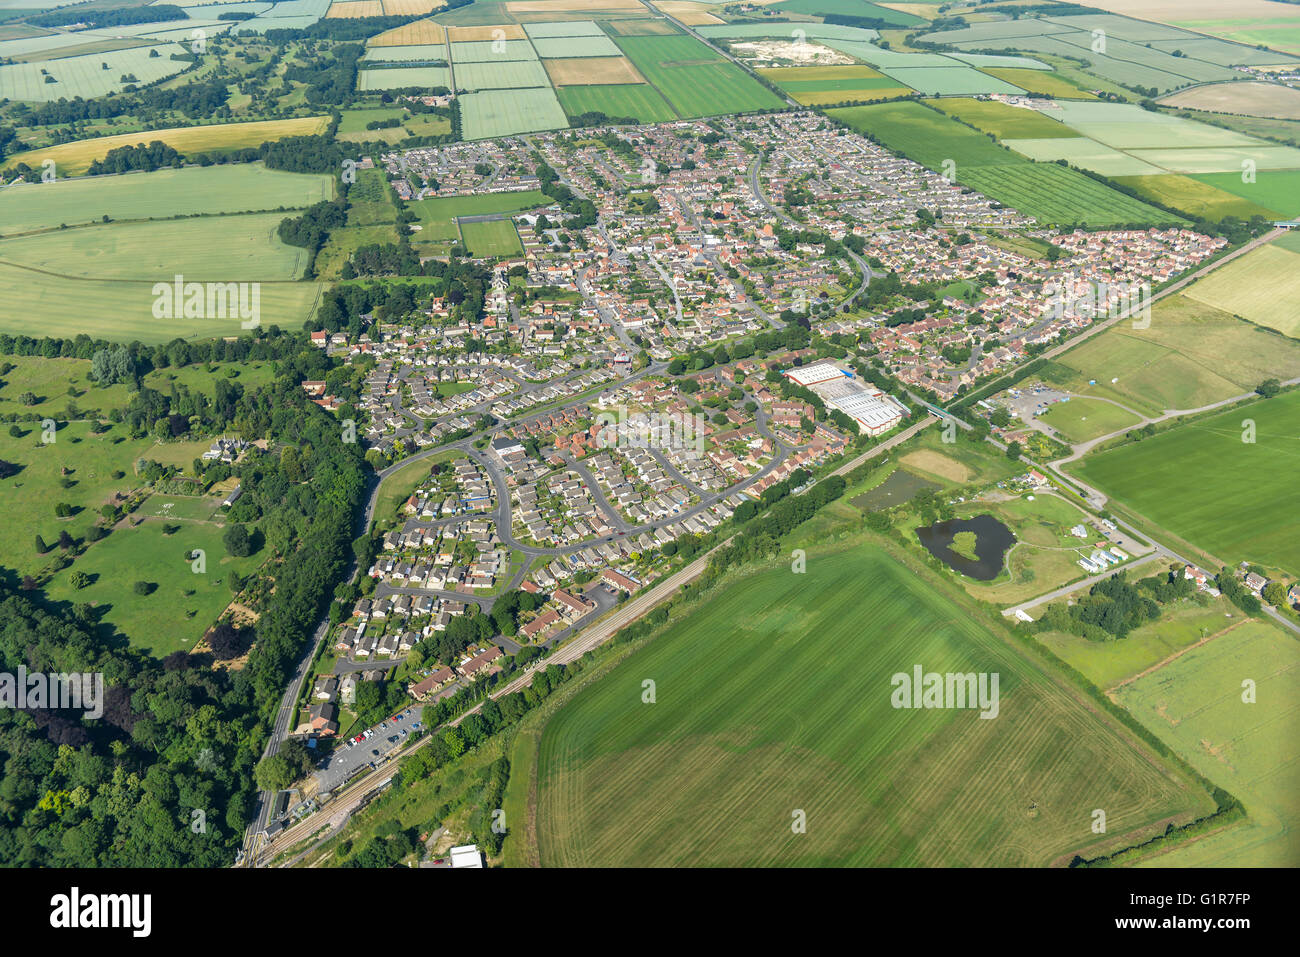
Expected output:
(900, 487)
(992, 540)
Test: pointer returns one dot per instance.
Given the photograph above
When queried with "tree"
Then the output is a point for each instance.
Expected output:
(41, 547)
(1014, 450)
(143, 588)
(1269, 388)
(273, 773)
(1275, 594)
(79, 580)
(237, 541)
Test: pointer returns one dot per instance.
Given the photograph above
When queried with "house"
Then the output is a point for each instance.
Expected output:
(1255, 582)
(323, 719)
(422, 689)
(348, 689)
(571, 607)
(479, 664)
(326, 688)
(619, 580)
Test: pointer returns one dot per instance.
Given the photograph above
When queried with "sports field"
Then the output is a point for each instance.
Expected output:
(749, 722)
(438, 215)
(1189, 356)
(1262, 286)
(74, 158)
(694, 79)
(1235, 499)
(496, 237)
(639, 100)
(506, 112)
(1195, 704)
(1081, 419)
(163, 193)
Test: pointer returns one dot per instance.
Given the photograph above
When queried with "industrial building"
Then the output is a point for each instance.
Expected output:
(874, 412)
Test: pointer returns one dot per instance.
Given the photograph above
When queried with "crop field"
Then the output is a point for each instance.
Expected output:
(1262, 286)
(86, 76)
(506, 112)
(1252, 99)
(848, 8)
(1194, 197)
(593, 72)
(357, 8)
(1220, 160)
(163, 193)
(1190, 479)
(516, 74)
(121, 310)
(639, 100)
(556, 47)
(494, 238)
(1005, 122)
(486, 33)
(397, 78)
(419, 33)
(183, 604)
(205, 249)
(1081, 419)
(949, 80)
(1273, 189)
(491, 51)
(694, 79)
(1195, 704)
(71, 159)
(574, 28)
(425, 52)
(1084, 153)
(621, 782)
(642, 28)
(1189, 356)
(1039, 81)
(817, 85)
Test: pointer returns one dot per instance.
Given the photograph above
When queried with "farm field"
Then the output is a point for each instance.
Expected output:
(1189, 356)
(492, 238)
(420, 32)
(694, 79)
(1252, 99)
(1273, 189)
(412, 52)
(1184, 479)
(948, 80)
(398, 78)
(594, 71)
(86, 77)
(1040, 81)
(639, 100)
(72, 159)
(206, 249)
(157, 195)
(820, 85)
(1195, 704)
(510, 74)
(584, 46)
(1005, 122)
(621, 782)
(506, 112)
(1194, 197)
(169, 619)
(1082, 419)
(848, 8)
(1084, 153)
(1263, 287)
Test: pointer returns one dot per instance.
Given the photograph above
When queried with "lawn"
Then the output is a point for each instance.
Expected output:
(398, 486)
(74, 158)
(695, 79)
(438, 214)
(639, 100)
(494, 238)
(184, 603)
(50, 380)
(1234, 499)
(1196, 705)
(1262, 286)
(1189, 356)
(1081, 419)
(158, 195)
(750, 722)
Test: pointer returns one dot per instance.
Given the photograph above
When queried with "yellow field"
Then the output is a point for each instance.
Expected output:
(1039, 81)
(355, 8)
(592, 71)
(824, 98)
(410, 8)
(799, 73)
(512, 31)
(1261, 287)
(691, 13)
(74, 158)
(411, 34)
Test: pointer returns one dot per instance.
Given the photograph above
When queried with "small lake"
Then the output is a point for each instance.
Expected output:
(900, 487)
(992, 540)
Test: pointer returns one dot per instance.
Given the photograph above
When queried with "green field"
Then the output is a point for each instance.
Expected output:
(1189, 356)
(848, 8)
(50, 380)
(639, 100)
(397, 78)
(497, 237)
(1040, 81)
(953, 80)
(1046, 191)
(508, 112)
(1081, 419)
(158, 195)
(500, 76)
(438, 214)
(751, 723)
(169, 619)
(86, 77)
(1195, 196)
(1234, 499)
(1195, 705)
(695, 79)
(1004, 122)
(1273, 189)
(1262, 286)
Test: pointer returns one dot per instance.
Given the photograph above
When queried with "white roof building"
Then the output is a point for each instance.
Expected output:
(467, 855)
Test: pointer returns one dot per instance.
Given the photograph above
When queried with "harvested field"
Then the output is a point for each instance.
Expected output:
(593, 71)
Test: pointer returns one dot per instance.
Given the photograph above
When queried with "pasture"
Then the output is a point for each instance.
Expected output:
(1262, 287)
(158, 195)
(621, 782)
(50, 381)
(74, 158)
(639, 100)
(90, 75)
(1189, 356)
(1193, 479)
(1195, 704)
